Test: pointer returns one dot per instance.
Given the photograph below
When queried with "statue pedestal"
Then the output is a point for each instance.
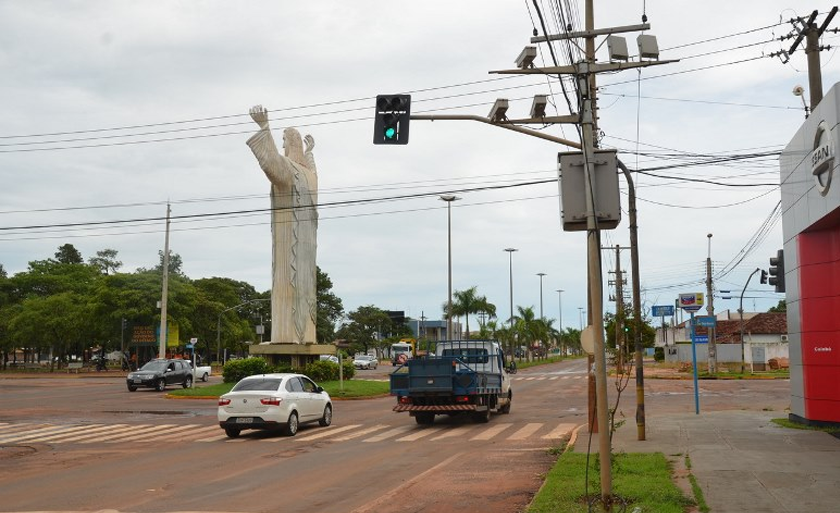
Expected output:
(297, 355)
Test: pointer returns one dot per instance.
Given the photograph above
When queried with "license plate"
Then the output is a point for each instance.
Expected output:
(244, 420)
(137, 380)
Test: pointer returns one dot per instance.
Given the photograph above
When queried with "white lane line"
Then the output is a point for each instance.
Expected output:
(363, 432)
(325, 433)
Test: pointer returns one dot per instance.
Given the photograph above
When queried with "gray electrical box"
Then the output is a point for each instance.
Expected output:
(573, 186)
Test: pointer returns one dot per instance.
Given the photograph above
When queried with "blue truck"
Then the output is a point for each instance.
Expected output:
(455, 377)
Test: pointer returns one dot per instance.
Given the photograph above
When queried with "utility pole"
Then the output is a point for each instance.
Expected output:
(165, 292)
(541, 294)
(619, 311)
(710, 310)
(808, 30)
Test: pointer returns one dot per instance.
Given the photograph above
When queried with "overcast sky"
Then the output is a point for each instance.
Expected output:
(112, 108)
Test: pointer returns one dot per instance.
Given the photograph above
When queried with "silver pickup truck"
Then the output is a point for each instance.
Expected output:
(201, 372)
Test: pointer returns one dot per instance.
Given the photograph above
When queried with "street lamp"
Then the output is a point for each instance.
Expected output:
(449, 198)
(560, 308)
(541, 294)
(219, 324)
(580, 316)
(510, 254)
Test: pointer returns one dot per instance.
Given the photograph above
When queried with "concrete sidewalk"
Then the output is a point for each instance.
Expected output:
(742, 461)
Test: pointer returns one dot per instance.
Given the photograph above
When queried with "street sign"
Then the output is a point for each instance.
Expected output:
(701, 339)
(707, 321)
(662, 310)
(692, 301)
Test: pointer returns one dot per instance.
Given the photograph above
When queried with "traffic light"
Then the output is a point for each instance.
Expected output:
(391, 121)
(777, 271)
(763, 277)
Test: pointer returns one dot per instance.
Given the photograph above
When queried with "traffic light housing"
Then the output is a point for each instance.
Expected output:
(763, 279)
(777, 271)
(391, 121)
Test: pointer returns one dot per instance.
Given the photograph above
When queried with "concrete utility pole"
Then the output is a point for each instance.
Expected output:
(541, 294)
(619, 311)
(165, 291)
(710, 310)
(808, 30)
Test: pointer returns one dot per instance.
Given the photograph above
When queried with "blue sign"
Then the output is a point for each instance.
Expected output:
(662, 310)
(701, 339)
(707, 321)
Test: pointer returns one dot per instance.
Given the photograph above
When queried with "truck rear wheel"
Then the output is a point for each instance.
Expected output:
(425, 418)
(482, 417)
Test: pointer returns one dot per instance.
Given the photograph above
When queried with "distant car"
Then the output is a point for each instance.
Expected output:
(159, 373)
(275, 402)
(364, 361)
(329, 357)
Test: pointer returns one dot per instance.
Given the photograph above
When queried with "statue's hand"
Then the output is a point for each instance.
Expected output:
(310, 143)
(260, 115)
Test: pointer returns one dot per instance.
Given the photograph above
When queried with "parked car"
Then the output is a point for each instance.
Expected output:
(275, 402)
(159, 373)
(201, 372)
(329, 357)
(364, 361)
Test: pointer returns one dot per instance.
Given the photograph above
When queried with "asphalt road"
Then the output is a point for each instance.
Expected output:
(87, 444)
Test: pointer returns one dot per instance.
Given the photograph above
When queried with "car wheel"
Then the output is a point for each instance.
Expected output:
(232, 432)
(160, 385)
(204, 377)
(132, 388)
(291, 427)
(188, 382)
(326, 420)
(425, 418)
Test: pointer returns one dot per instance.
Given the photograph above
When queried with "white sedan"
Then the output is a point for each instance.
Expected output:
(273, 401)
(365, 362)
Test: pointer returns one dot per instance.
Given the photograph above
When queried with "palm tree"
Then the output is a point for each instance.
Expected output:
(527, 327)
(468, 302)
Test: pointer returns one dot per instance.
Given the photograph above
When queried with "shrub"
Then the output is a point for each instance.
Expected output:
(658, 354)
(234, 370)
(325, 370)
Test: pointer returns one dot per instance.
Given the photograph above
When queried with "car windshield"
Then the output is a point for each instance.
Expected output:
(267, 384)
(154, 366)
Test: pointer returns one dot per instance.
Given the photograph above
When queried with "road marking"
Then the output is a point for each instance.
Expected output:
(489, 433)
(559, 432)
(34, 433)
(73, 432)
(421, 433)
(325, 433)
(388, 434)
(451, 433)
(526, 431)
(360, 433)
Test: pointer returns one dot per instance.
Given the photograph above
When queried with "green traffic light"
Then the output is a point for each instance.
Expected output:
(390, 132)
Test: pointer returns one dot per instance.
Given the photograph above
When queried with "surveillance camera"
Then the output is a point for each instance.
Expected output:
(798, 90)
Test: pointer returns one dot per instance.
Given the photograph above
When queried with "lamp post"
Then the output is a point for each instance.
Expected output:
(560, 308)
(510, 254)
(219, 324)
(449, 198)
(741, 316)
(580, 316)
(541, 295)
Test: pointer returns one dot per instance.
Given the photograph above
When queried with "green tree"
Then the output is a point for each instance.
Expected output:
(68, 254)
(330, 309)
(56, 324)
(781, 307)
(106, 261)
(365, 324)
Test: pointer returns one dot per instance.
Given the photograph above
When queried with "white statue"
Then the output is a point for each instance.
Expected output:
(294, 225)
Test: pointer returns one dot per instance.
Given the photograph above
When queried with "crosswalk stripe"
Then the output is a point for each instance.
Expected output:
(388, 434)
(157, 435)
(363, 432)
(559, 432)
(451, 433)
(70, 432)
(526, 431)
(327, 432)
(94, 431)
(30, 434)
(490, 432)
(418, 435)
(129, 432)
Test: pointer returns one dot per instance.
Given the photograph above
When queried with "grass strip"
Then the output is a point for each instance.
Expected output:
(640, 479)
(353, 389)
(695, 489)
